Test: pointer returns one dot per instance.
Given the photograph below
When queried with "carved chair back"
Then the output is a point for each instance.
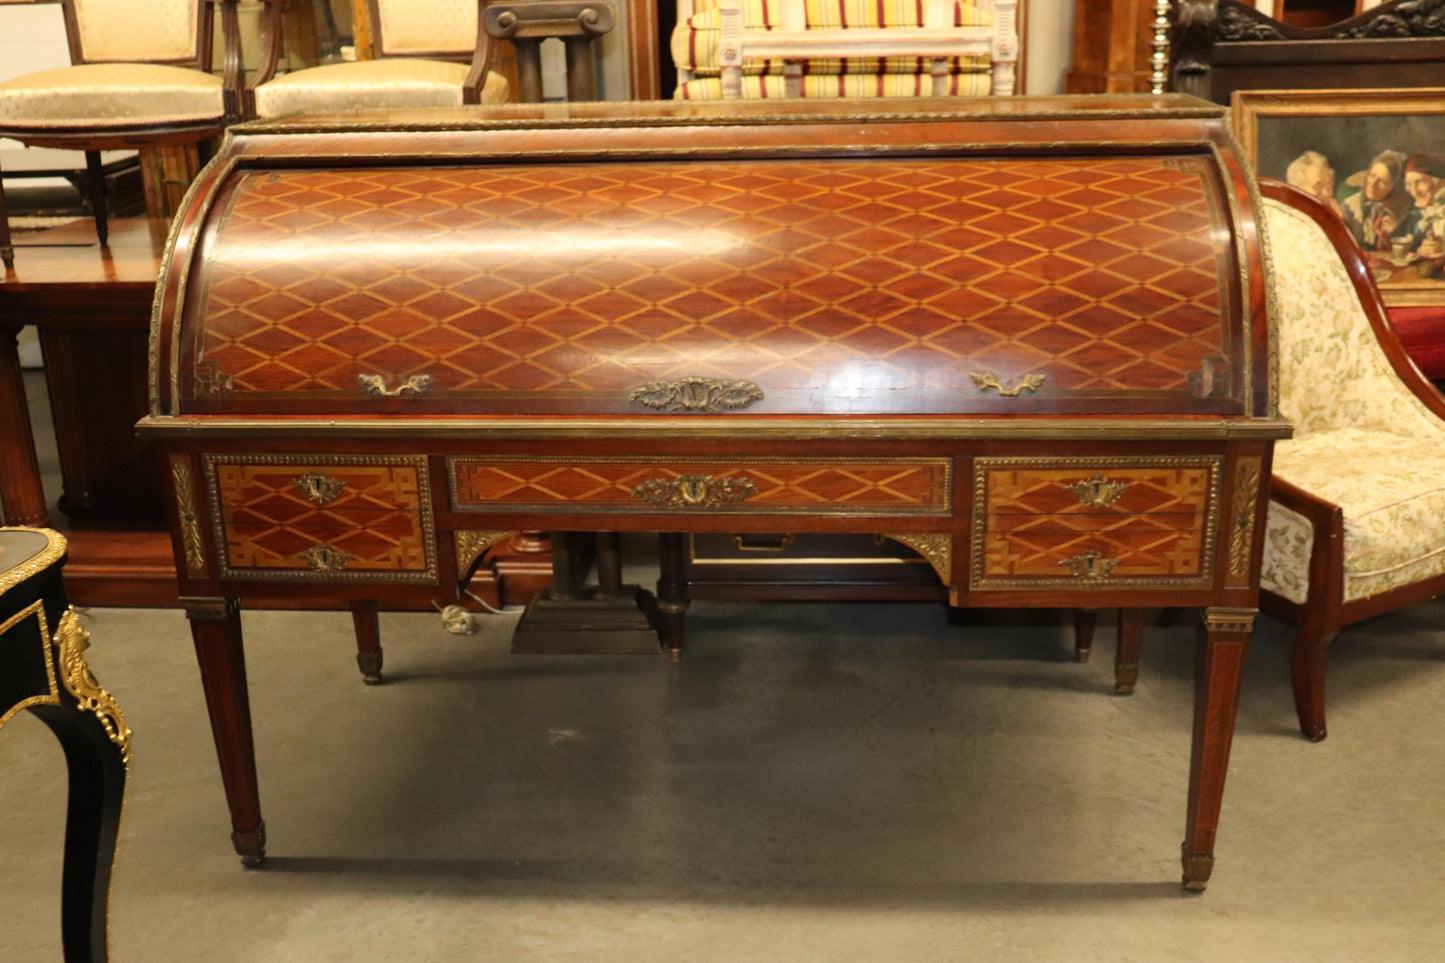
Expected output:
(174, 32)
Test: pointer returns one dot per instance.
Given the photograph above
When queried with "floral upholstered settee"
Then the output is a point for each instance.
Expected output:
(697, 48)
(1357, 506)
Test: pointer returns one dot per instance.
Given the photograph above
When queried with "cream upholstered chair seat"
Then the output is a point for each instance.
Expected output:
(1393, 499)
(91, 95)
(372, 84)
(1356, 522)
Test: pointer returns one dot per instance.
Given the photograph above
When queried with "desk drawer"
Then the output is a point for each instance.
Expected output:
(812, 486)
(1094, 521)
(323, 517)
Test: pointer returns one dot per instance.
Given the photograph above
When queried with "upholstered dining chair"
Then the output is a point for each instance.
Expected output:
(140, 77)
(424, 53)
(1356, 521)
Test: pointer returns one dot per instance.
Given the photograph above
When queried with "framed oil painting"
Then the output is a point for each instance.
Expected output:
(1377, 157)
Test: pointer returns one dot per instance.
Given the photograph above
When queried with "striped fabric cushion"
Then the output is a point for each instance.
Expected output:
(694, 41)
(839, 85)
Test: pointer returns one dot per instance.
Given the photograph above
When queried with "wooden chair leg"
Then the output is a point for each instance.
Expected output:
(95, 184)
(1307, 671)
(7, 247)
(1126, 657)
(1084, 622)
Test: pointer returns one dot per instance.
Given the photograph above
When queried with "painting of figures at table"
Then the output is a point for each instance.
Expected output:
(1385, 176)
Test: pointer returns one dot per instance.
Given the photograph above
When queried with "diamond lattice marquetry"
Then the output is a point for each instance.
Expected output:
(599, 277)
(913, 486)
(370, 517)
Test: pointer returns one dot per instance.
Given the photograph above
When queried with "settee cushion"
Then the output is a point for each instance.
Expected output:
(695, 39)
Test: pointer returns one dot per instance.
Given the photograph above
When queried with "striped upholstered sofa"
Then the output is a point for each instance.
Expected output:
(698, 48)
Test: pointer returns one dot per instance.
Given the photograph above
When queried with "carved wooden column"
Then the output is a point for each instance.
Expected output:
(21, 497)
(577, 23)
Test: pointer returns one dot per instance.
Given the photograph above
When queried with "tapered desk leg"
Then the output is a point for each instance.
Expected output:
(22, 500)
(368, 640)
(1223, 639)
(216, 631)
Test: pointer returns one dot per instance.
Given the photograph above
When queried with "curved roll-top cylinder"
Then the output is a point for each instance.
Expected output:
(1088, 256)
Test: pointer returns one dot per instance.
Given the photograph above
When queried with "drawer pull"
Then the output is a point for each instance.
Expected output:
(763, 543)
(318, 488)
(987, 379)
(697, 394)
(1090, 565)
(695, 491)
(1096, 491)
(375, 384)
(325, 557)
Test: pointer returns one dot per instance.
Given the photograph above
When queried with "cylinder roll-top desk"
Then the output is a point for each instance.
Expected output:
(1025, 338)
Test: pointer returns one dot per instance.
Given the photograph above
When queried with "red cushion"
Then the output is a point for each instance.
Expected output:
(1422, 331)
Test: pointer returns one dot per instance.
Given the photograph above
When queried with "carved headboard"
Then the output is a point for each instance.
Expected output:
(1220, 46)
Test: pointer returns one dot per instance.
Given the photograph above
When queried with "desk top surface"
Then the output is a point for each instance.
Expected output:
(25, 551)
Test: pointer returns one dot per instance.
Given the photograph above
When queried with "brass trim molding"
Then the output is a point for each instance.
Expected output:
(1242, 504)
(189, 515)
(936, 549)
(471, 543)
(52, 698)
(80, 682)
(786, 428)
(53, 552)
(1230, 621)
(697, 394)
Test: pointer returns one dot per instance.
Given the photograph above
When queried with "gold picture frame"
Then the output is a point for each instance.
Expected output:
(1352, 129)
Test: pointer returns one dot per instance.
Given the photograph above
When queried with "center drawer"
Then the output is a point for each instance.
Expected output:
(1094, 522)
(322, 517)
(774, 486)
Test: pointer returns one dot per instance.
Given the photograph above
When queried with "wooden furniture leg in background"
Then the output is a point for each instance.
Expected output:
(1084, 622)
(7, 247)
(216, 632)
(21, 497)
(1223, 639)
(1126, 657)
(368, 640)
(672, 594)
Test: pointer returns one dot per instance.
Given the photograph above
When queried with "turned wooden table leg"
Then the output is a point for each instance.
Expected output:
(672, 594)
(1126, 656)
(1084, 622)
(21, 497)
(216, 631)
(364, 616)
(1223, 639)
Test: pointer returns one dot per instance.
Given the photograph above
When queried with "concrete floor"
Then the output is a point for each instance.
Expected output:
(811, 783)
